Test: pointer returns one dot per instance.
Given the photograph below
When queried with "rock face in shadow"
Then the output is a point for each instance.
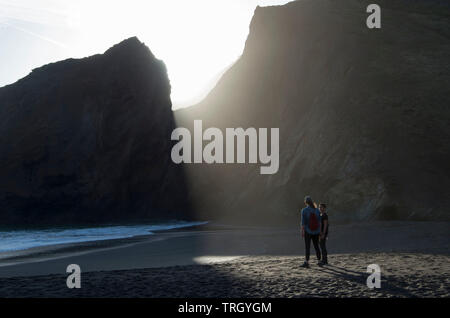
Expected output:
(88, 140)
(363, 114)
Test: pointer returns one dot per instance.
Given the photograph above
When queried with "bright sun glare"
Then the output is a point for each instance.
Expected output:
(196, 39)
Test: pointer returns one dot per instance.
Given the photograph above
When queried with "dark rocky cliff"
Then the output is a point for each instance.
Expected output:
(363, 117)
(88, 140)
(363, 114)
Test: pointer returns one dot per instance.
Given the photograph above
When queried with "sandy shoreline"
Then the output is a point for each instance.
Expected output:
(403, 275)
(242, 262)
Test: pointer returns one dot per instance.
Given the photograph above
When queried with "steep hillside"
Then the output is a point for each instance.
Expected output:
(363, 113)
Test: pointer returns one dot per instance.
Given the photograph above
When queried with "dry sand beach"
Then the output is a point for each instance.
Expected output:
(405, 275)
(216, 261)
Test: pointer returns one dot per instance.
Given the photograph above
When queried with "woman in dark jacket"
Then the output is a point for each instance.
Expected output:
(310, 229)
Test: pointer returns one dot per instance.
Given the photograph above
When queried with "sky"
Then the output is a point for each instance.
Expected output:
(198, 39)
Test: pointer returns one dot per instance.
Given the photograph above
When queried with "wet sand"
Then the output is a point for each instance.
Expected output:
(241, 262)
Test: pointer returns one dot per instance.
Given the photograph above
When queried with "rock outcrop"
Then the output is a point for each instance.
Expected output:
(363, 113)
(88, 141)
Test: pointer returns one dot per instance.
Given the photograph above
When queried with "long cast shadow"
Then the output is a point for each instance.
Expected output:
(392, 285)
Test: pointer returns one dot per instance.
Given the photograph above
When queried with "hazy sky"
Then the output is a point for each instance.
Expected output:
(197, 39)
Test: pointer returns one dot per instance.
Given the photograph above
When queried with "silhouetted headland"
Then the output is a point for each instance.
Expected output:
(88, 141)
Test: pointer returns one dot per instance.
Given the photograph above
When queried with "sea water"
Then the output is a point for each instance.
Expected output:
(14, 240)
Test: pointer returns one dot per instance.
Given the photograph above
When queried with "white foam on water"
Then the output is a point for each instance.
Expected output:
(24, 239)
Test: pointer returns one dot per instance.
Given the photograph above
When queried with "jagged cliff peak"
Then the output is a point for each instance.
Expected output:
(131, 47)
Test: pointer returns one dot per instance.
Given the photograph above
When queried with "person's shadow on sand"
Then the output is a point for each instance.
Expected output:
(393, 286)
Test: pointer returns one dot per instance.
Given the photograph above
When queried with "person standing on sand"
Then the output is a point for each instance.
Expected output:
(310, 229)
(323, 232)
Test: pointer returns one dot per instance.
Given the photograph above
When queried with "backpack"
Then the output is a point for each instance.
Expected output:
(313, 221)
